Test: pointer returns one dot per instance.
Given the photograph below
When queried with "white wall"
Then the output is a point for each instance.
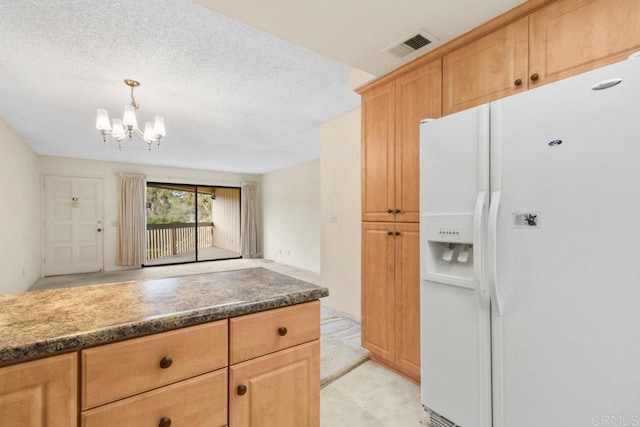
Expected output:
(20, 213)
(340, 211)
(291, 215)
(108, 172)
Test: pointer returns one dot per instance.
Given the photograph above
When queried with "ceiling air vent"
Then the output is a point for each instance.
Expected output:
(411, 43)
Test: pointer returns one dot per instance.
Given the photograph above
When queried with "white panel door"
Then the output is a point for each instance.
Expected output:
(567, 343)
(73, 225)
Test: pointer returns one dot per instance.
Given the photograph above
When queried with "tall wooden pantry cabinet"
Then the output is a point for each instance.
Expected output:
(391, 113)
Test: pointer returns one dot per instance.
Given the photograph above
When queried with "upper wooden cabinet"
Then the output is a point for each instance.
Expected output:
(562, 39)
(569, 37)
(489, 68)
(391, 116)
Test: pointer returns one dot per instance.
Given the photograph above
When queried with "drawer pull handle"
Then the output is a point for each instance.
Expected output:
(242, 389)
(164, 364)
(164, 422)
(282, 331)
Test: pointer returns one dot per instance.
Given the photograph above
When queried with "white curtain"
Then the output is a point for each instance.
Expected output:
(250, 236)
(131, 220)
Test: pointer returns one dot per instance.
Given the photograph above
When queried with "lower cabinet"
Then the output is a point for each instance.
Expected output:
(199, 401)
(391, 295)
(281, 389)
(261, 369)
(42, 393)
(274, 379)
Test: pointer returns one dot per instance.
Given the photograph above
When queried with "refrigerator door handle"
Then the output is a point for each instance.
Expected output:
(493, 253)
(478, 249)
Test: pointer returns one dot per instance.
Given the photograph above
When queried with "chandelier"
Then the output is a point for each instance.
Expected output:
(128, 125)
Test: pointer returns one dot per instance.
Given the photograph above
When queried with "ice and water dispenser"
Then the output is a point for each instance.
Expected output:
(449, 248)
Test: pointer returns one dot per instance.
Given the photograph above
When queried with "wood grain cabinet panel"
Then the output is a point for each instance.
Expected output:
(489, 68)
(122, 369)
(196, 402)
(42, 393)
(407, 298)
(391, 295)
(378, 290)
(278, 390)
(269, 331)
(418, 97)
(378, 153)
(569, 37)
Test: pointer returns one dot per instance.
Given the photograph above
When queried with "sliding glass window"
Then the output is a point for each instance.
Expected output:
(187, 223)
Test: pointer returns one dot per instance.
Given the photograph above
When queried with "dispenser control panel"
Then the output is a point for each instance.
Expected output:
(449, 228)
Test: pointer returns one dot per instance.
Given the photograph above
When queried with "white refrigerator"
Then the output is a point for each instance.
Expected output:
(530, 257)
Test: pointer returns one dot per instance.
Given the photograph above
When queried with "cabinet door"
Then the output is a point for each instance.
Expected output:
(40, 393)
(492, 67)
(407, 280)
(278, 390)
(418, 96)
(570, 37)
(378, 295)
(378, 133)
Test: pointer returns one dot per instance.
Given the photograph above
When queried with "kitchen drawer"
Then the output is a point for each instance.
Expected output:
(261, 333)
(197, 402)
(122, 369)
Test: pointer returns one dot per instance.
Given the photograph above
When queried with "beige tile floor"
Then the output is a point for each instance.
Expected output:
(368, 396)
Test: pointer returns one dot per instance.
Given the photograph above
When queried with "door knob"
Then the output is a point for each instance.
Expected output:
(99, 230)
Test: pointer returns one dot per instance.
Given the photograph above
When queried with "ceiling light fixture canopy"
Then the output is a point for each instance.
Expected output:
(128, 124)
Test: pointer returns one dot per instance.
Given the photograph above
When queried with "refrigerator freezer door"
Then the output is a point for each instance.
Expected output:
(455, 329)
(566, 160)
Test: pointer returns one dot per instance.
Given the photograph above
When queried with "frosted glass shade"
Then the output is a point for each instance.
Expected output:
(102, 122)
(148, 132)
(129, 116)
(118, 129)
(158, 126)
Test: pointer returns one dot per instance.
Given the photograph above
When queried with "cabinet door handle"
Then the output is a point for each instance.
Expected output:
(389, 210)
(282, 331)
(534, 77)
(397, 233)
(389, 233)
(241, 390)
(397, 211)
(164, 422)
(518, 82)
(165, 362)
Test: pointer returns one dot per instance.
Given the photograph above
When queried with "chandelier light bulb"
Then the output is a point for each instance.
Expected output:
(158, 126)
(102, 122)
(129, 117)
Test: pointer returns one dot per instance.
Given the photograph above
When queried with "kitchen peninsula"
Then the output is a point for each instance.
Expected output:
(207, 349)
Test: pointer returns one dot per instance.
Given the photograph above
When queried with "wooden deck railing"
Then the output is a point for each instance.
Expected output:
(173, 239)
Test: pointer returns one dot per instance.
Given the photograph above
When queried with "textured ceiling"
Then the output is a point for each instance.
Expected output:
(234, 98)
(356, 31)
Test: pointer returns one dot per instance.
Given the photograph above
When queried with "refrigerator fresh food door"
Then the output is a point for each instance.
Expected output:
(566, 164)
(455, 328)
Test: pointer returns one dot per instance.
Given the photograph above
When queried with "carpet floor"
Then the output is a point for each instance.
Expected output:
(340, 350)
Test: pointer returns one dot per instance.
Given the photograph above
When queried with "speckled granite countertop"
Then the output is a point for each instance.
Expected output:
(41, 323)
